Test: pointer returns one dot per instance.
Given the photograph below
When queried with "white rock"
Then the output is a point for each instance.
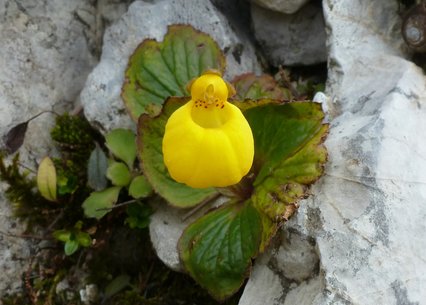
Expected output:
(296, 256)
(264, 285)
(47, 50)
(289, 40)
(44, 61)
(101, 96)
(283, 6)
(165, 228)
(367, 213)
(289, 265)
(305, 293)
(14, 251)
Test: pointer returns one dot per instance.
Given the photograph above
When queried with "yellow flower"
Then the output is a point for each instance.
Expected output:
(207, 141)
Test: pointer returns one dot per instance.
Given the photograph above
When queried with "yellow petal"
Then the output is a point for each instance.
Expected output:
(205, 157)
(208, 145)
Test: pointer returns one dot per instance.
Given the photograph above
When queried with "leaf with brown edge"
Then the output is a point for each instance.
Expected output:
(158, 70)
(250, 86)
(289, 157)
(290, 180)
(217, 248)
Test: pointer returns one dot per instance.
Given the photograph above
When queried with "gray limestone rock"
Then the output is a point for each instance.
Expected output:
(44, 61)
(47, 50)
(288, 272)
(288, 40)
(101, 96)
(366, 215)
(283, 6)
(15, 252)
(165, 228)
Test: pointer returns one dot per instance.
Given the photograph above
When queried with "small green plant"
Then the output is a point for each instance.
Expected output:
(120, 170)
(73, 238)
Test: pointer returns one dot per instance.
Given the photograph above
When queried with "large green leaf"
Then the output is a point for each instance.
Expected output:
(289, 156)
(290, 180)
(281, 131)
(158, 70)
(150, 137)
(217, 248)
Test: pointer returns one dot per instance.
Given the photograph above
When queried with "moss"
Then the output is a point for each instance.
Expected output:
(73, 133)
(27, 203)
(75, 139)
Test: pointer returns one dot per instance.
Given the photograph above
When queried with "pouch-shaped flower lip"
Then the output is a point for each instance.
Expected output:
(208, 142)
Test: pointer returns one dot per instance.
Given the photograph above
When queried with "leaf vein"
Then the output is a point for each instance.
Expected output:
(186, 59)
(206, 250)
(171, 91)
(181, 86)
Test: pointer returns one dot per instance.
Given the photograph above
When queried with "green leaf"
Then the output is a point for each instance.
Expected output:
(138, 215)
(71, 246)
(280, 131)
(46, 179)
(119, 174)
(83, 239)
(62, 235)
(289, 156)
(158, 70)
(66, 184)
(116, 285)
(98, 204)
(121, 142)
(269, 229)
(78, 225)
(96, 169)
(289, 182)
(140, 187)
(217, 248)
(150, 137)
(250, 86)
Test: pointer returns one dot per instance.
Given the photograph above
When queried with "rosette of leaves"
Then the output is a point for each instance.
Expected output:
(217, 249)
